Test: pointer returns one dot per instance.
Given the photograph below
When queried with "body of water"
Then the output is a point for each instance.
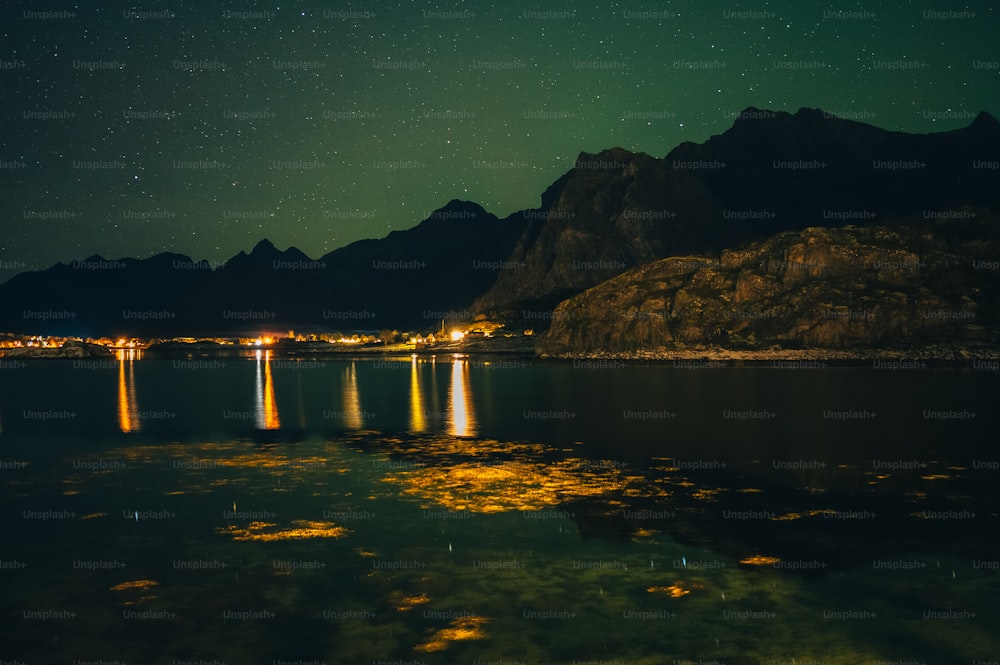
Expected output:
(450, 509)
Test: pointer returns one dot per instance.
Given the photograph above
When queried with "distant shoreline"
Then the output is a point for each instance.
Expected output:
(937, 355)
(932, 356)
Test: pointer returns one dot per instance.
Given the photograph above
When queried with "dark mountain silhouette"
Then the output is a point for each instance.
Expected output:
(770, 172)
(408, 278)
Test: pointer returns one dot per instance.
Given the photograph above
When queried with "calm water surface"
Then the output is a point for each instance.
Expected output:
(482, 510)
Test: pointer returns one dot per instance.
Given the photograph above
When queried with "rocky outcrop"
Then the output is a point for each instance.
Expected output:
(831, 288)
(69, 349)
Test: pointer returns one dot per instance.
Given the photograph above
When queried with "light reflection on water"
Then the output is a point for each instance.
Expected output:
(462, 417)
(502, 530)
(128, 417)
(417, 421)
(458, 420)
(450, 543)
(266, 416)
(353, 417)
(267, 406)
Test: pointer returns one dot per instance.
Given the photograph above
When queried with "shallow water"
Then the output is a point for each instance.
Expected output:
(478, 510)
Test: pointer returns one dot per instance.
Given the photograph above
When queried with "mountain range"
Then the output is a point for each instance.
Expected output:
(771, 172)
(410, 278)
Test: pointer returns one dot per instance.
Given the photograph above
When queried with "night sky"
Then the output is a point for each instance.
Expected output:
(202, 127)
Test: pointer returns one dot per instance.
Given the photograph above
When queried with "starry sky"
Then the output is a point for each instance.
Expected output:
(203, 127)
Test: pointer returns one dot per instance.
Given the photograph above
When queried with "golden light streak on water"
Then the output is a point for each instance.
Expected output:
(267, 405)
(352, 399)
(404, 603)
(462, 628)
(136, 592)
(417, 420)
(759, 560)
(270, 532)
(707, 493)
(461, 413)
(135, 584)
(512, 485)
(677, 589)
(128, 417)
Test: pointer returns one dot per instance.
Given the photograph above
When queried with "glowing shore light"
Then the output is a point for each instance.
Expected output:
(457, 335)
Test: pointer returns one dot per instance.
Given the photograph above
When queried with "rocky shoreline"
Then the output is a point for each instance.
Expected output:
(916, 357)
(910, 357)
(69, 349)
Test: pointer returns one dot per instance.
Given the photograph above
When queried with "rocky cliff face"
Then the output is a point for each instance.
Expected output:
(832, 288)
(609, 213)
(770, 172)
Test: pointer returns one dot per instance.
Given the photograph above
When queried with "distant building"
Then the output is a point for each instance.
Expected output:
(421, 339)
